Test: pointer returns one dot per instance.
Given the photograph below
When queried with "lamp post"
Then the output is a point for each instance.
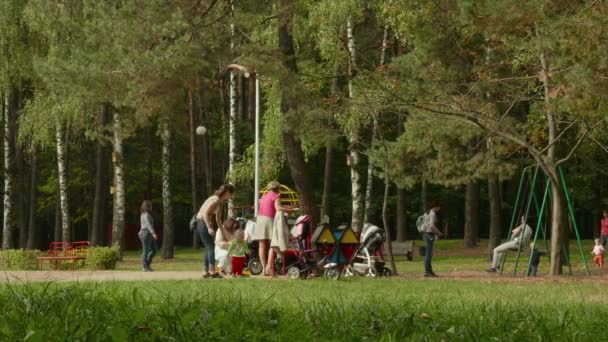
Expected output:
(256, 183)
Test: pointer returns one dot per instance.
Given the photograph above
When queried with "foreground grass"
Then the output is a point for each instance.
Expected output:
(258, 310)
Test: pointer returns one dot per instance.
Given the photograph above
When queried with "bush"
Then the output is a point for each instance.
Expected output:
(19, 259)
(103, 258)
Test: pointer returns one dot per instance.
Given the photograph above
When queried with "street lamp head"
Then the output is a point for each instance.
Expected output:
(246, 74)
(201, 130)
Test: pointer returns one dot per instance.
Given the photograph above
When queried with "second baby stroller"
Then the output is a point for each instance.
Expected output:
(363, 261)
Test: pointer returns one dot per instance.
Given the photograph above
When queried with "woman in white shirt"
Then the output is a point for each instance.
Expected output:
(210, 212)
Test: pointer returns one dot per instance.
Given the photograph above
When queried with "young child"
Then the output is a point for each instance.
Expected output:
(534, 260)
(598, 253)
(237, 250)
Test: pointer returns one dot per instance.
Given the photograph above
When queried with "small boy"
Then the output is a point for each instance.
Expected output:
(534, 260)
(237, 250)
(598, 253)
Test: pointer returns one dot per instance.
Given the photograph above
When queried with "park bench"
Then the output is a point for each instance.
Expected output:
(402, 248)
(63, 251)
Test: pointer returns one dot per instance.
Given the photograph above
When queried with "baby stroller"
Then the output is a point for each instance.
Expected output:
(363, 262)
(299, 261)
(254, 265)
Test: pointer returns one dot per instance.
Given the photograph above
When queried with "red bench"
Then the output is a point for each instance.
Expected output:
(63, 251)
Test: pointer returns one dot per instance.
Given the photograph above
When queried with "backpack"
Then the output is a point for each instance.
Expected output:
(193, 223)
(423, 223)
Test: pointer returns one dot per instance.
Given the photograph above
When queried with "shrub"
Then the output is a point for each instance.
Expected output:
(19, 259)
(103, 258)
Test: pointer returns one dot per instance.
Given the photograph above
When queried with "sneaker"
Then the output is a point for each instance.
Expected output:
(216, 275)
(207, 275)
(145, 269)
(430, 275)
(491, 270)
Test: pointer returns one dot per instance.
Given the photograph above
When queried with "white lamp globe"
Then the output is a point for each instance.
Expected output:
(201, 130)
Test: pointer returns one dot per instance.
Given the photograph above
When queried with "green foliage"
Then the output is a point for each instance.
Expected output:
(19, 259)
(46, 113)
(102, 258)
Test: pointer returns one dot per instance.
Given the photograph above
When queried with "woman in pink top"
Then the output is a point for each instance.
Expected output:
(269, 204)
(604, 230)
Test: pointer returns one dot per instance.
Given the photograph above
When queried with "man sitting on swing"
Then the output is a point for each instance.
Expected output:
(516, 238)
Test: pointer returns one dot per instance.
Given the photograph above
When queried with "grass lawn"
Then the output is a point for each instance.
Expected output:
(455, 307)
(357, 309)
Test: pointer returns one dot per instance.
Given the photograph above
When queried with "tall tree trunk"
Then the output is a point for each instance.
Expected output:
(401, 209)
(9, 127)
(370, 176)
(293, 149)
(32, 236)
(401, 215)
(326, 200)
(149, 160)
(558, 227)
(355, 155)
(495, 212)
(549, 166)
(168, 231)
(118, 219)
(193, 178)
(232, 121)
(471, 214)
(206, 153)
(21, 194)
(232, 135)
(251, 103)
(100, 180)
(387, 231)
(327, 176)
(66, 234)
(57, 224)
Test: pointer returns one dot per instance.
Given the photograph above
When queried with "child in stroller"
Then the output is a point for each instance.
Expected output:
(363, 261)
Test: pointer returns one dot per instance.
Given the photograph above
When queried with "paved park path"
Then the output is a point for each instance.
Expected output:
(16, 277)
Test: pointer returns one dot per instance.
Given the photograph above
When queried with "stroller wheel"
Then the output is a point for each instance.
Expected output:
(348, 271)
(386, 272)
(332, 273)
(255, 266)
(293, 272)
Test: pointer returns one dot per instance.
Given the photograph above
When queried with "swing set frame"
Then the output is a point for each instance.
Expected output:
(541, 211)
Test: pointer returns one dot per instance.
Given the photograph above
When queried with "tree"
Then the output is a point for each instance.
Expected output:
(293, 149)
(168, 229)
(533, 73)
(101, 181)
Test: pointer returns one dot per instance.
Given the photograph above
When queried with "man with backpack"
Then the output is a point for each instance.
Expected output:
(430, 231)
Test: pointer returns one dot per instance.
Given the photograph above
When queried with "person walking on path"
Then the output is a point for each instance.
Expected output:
(429, 237)
(147, 235)
(604, 230)
(210, 212)
(520, 235)
(270, 203)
